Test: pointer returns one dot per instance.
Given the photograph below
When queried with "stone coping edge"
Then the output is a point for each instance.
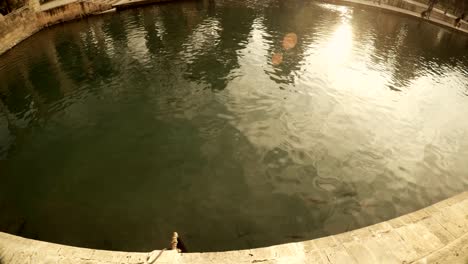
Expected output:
(435, 234)
(397, 10)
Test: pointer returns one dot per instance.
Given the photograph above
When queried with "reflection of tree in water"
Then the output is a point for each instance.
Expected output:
(82, 52)
(244, 189)
(390, 48)
(214, 65)
(22, 107)
(281, 20)
(115, 27)
(155, 31)
(176, 30)
(247, 218)
(8, 130)
(70, 53)
(44, 80)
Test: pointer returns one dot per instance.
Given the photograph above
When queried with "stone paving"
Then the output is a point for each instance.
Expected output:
(436, 234)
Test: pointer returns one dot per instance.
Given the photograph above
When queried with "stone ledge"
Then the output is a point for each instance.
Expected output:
(25, 22)
(435, 234)
(411, 10)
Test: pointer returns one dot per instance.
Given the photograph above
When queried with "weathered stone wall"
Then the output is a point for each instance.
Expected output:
(19, 25)
(404, 5)
(407, 8)
(69, 12)
(450, 20)
(34, 5)
(436, 14)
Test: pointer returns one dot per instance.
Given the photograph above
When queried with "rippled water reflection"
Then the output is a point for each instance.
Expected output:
(238, 124)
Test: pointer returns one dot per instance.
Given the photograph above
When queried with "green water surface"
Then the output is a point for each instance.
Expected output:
(236, 123)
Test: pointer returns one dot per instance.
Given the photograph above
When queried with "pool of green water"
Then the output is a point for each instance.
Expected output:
(238, 124)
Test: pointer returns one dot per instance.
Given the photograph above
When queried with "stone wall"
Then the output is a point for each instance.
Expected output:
(70, 12)
(404, 5)
(436, 13)
(19, 25)
(408, 8)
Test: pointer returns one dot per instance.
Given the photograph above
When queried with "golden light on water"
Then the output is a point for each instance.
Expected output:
(340, 44)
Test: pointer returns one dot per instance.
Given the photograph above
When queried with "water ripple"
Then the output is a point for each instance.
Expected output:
(242, 116)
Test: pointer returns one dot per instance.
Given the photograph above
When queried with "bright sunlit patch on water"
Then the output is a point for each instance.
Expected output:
(337, 8)
(160, 29)
(137, 45)
(340, 45)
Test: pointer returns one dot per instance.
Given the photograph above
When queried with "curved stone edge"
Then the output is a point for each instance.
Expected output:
(416, 13)
(27, 21)
(435, 234)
